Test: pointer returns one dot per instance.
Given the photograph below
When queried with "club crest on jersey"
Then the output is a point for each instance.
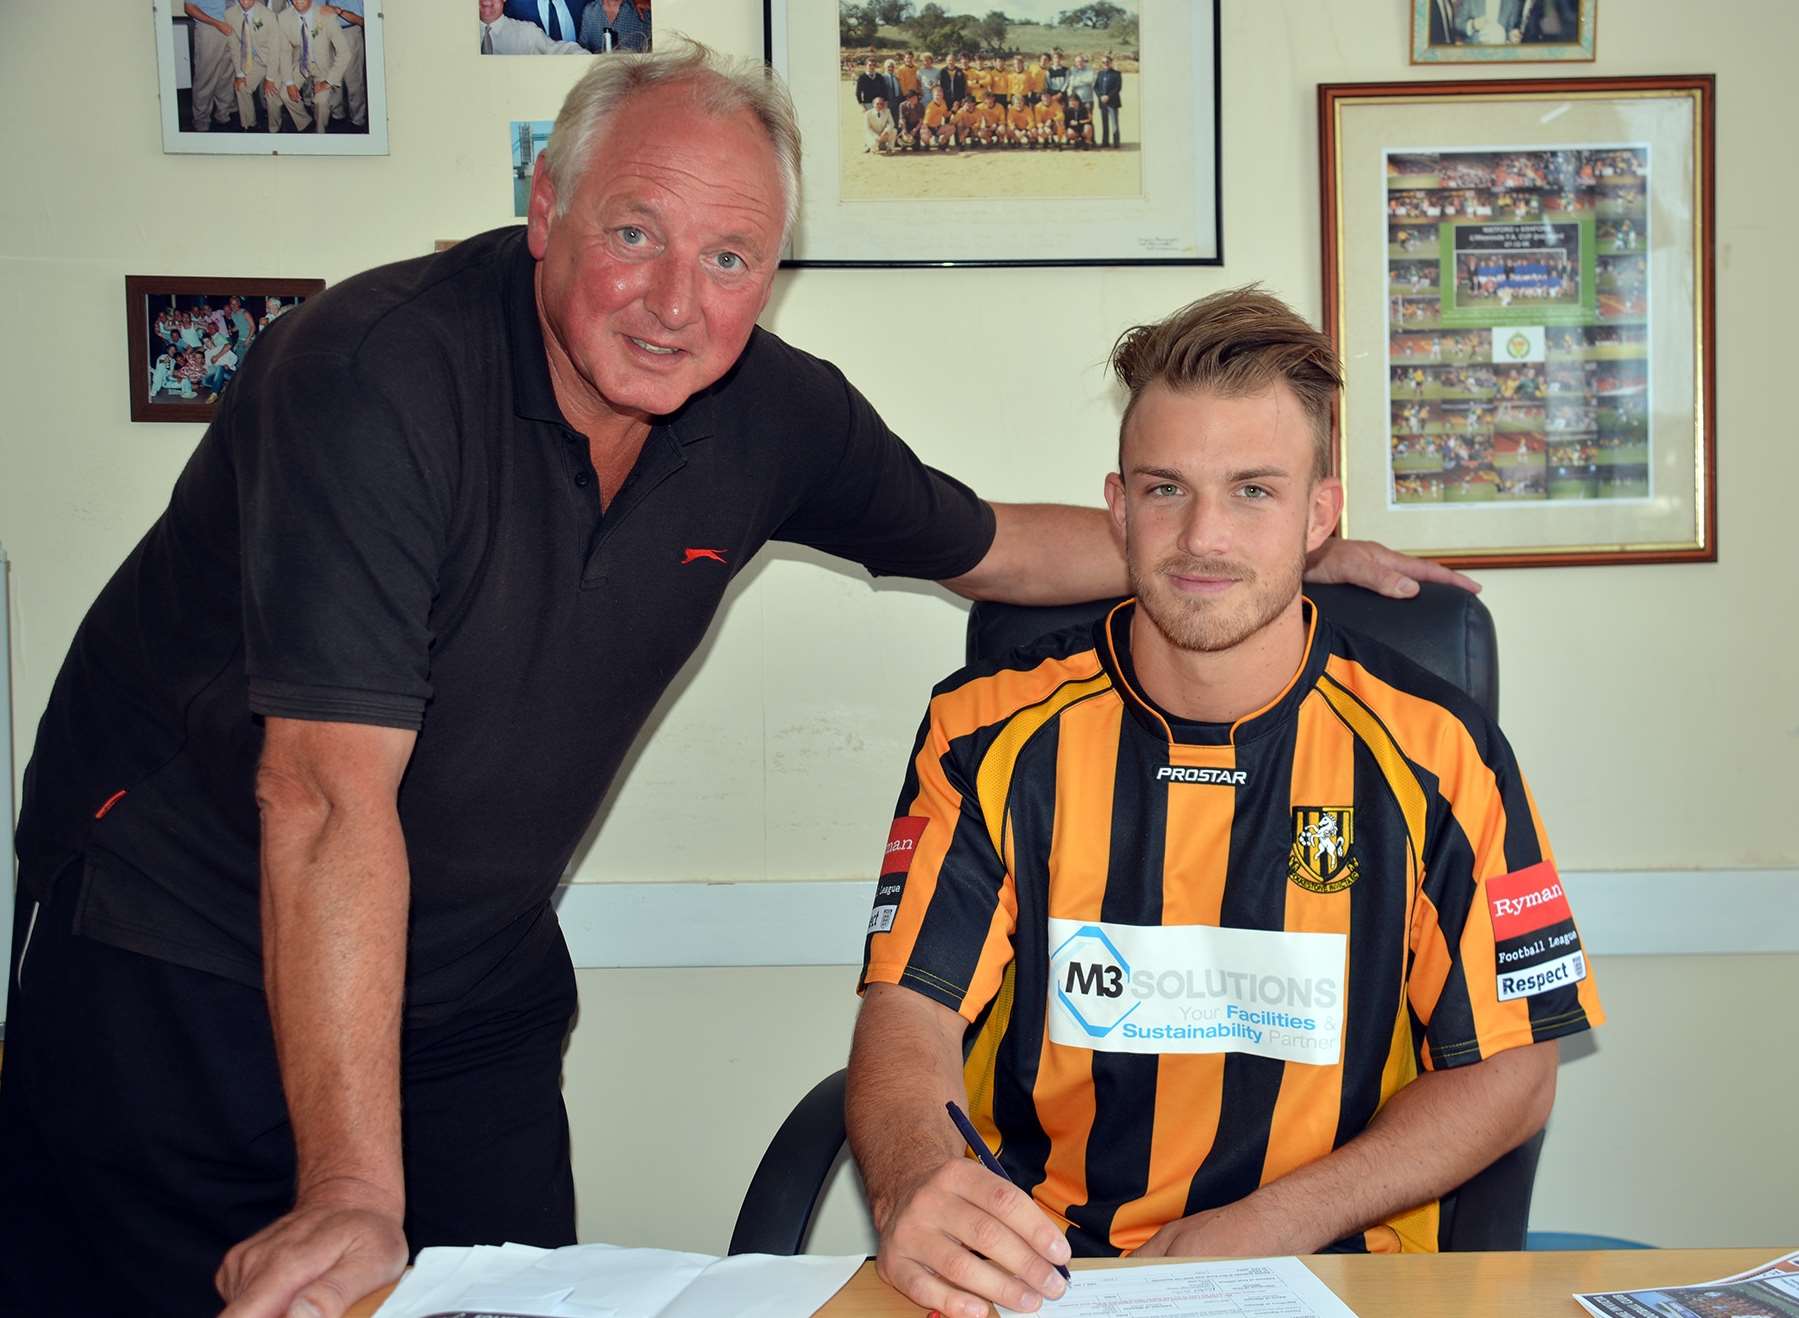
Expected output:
(1322, 836)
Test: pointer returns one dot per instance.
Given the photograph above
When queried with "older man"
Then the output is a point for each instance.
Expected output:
(289, 974)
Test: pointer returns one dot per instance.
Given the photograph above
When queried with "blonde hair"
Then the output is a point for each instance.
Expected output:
(721, 86)
(1235, 343)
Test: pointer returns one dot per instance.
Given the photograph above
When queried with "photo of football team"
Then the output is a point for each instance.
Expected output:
(1518, 317)
(1040, 100)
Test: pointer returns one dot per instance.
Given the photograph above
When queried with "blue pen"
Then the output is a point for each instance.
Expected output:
(991, 1163)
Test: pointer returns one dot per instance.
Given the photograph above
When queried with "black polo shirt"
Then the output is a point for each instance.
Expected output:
(390, 522)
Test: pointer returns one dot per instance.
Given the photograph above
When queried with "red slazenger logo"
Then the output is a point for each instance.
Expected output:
(902, 845)
(1527, 901)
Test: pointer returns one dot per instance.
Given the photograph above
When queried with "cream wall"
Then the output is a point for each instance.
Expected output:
(1650, 705)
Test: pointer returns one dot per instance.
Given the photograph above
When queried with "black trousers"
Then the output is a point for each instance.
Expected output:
(143, 1130)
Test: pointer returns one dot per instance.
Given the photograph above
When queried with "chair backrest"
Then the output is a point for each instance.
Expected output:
(1446, 630)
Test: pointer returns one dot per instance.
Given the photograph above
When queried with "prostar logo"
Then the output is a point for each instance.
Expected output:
(695, 555)
(1176, 773)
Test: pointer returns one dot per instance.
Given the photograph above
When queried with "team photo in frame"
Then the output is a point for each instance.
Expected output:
(1048, 134)
(1518, 275)
(186, 337)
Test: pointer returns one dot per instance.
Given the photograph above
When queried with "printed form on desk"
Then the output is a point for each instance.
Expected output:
(1234, 1288)
(608, 1281)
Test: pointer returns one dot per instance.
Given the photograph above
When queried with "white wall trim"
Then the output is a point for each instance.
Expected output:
(1621, 913)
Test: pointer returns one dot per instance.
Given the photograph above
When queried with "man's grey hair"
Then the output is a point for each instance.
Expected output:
(720, 85)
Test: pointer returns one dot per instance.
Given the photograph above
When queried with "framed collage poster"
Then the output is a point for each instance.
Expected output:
(1046, 134)
(1518, 275)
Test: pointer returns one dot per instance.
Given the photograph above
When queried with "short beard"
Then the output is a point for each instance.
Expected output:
(1209, 626)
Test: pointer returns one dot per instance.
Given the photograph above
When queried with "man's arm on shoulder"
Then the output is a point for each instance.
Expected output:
(1431, 1136)
(953, 1235)
(335, 895)
(1050, 553)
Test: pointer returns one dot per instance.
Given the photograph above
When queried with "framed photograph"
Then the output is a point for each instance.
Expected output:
(186, 338)
(529, 138)
(1518, 275)
(563, 27)
(271, 77)
(1051, 133)
(1502, 31)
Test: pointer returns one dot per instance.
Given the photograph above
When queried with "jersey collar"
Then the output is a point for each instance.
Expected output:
(1114, 645)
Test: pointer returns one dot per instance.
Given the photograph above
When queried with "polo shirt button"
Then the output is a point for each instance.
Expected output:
(581, 479)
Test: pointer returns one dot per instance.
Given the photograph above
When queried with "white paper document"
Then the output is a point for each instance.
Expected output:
(607, 1281)
(1252, 1288)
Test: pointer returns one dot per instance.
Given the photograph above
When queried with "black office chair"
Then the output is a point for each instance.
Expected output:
(1445, 630)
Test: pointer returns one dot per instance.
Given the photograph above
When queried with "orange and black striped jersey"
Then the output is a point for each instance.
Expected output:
(1195, 957)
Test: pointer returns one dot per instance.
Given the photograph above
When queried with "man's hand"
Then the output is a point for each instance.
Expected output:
(963, 1236)
(1239, 1230)
(293, 93)
(336, 1246)
(1375, 567)
(268, 86)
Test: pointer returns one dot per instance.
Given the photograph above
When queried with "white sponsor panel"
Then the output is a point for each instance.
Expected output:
(880, 920)
(1560, 973)
(1123, 988)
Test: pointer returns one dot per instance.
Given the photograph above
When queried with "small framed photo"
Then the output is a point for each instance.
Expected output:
(1043, 134)
(529, 138)
(1503, 31)
(563, 27)
(1518, 276)
(271, 77)
(187, 338)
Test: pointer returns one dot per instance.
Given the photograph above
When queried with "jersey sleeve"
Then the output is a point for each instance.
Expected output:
(879, 506)
(342, 520)
(945, 907)
(1497, 960)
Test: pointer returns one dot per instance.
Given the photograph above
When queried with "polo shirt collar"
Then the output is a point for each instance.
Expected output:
(534, 398)
(1115, 655)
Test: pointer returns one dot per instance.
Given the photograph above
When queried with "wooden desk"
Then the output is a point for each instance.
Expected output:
(1410, 1285)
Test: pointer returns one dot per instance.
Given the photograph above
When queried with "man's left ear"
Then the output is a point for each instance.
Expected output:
(541, 209)
(1327, 507)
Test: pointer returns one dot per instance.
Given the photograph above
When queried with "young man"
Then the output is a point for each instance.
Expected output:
(1078, 123)
(939, 128)
(1235, 932)
(256, 61)
(1048, 115)
(911, 121)
(993, 121)
(1021, 124)
(967, 123)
